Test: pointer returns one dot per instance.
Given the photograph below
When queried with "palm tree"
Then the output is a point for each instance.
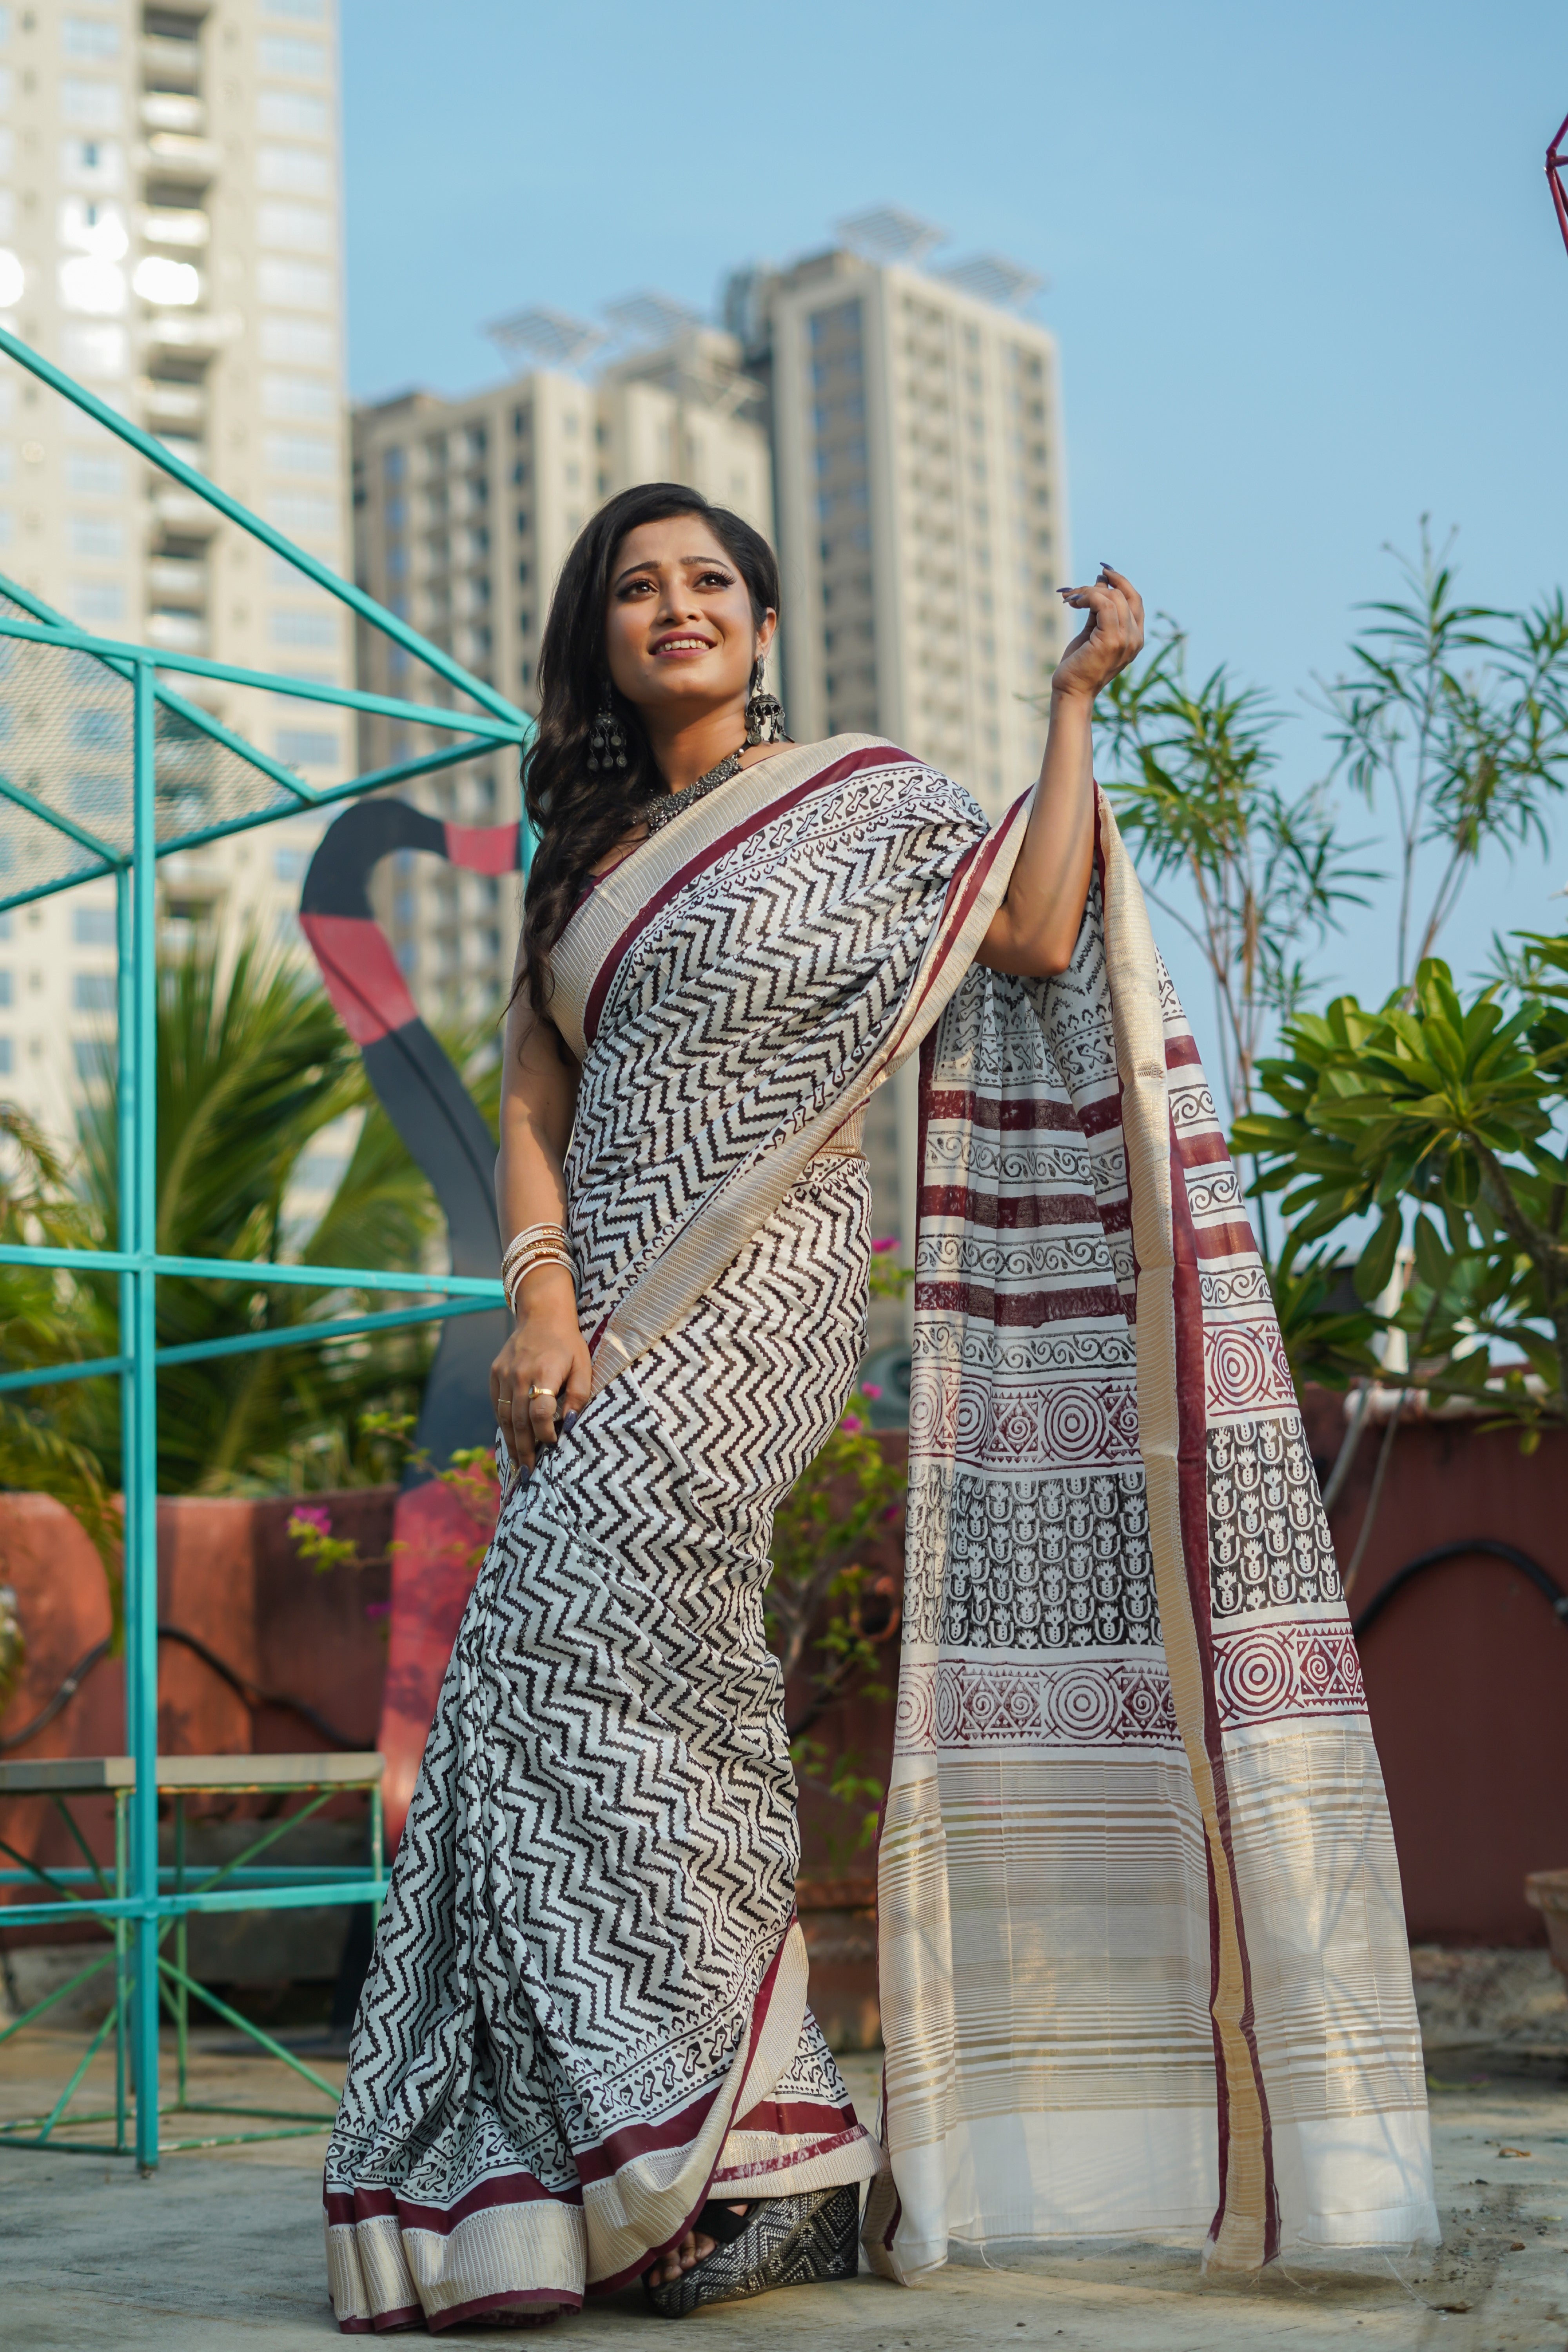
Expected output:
(252, 1066)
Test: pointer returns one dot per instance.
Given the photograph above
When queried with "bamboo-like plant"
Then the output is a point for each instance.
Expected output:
(1455, 715)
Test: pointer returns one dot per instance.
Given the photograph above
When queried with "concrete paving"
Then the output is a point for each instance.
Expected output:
(222, 2253)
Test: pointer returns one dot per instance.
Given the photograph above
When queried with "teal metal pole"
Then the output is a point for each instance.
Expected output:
(127, 1098)
(346, 591)
(139, 1342)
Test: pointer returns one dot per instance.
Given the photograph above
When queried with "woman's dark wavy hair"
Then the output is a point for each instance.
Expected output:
(577, 814)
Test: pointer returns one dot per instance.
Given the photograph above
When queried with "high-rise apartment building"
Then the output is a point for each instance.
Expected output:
(896, 431)
(920, 495)
(464, 512)
(170, 235)
(922, 507)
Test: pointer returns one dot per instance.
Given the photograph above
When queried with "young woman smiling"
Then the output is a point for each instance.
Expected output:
(584, 2055)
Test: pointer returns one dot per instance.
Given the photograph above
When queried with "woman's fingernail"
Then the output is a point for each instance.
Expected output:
(569, 1422)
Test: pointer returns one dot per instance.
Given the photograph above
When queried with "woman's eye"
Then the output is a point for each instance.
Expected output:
(714, 580)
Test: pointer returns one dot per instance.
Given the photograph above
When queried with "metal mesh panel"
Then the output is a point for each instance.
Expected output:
(66, 739)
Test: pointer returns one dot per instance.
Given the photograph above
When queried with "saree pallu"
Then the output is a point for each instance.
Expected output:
(1142, 1946)
(587, 2005)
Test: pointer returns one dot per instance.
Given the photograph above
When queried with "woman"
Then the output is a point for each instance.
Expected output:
(585, 2054)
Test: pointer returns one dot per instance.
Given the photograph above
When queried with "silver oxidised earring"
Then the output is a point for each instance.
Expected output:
(606, 744)
(764, 713)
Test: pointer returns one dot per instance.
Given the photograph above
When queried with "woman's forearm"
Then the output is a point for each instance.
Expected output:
(541, 1375)
(1034, 929)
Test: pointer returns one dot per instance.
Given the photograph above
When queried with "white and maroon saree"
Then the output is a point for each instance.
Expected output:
(587, 2008)
(1142, 1950)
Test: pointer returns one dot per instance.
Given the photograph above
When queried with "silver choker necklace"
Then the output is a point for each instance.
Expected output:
(669, 805)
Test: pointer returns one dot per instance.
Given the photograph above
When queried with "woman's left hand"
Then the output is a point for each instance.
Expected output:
(1110, 638)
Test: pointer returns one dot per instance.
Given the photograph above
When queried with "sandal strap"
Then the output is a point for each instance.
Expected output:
(717, 2221)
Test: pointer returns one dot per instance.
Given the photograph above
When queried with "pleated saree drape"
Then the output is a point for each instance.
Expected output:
(1141, 1943)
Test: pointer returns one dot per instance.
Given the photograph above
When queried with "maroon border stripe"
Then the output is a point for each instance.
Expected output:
(801, 2116)
(1006, 1117)
(548, 2299)
(1010, 1212)
(849, 765)
(1026, 1312)
(1192, 1472)
(760, 2008)
(501, 2189)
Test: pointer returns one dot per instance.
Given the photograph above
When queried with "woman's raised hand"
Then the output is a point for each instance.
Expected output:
(1111, 637)
(540, 1380)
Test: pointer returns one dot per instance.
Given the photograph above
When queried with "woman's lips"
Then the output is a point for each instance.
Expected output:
(681, 648)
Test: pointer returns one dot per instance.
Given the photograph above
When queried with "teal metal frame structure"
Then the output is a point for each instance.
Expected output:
(128, 844)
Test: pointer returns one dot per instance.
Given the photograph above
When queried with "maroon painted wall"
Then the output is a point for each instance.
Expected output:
(1467, 1671)
(1466, 1668)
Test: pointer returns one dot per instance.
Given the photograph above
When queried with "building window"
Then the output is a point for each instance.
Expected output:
(296, 395)
(94, 477)
(306, 747)
(91, 992)
(299, 340)
(98, 600)
(295, 60)
(294, 171)
(299, 453)
(93, 926)
(6, 988)
(94, 1060)
(292, 114)
(319, 630)
(296, 285)
(97, 535)
(90, 105)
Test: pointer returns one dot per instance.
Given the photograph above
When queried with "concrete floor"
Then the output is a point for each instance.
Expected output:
(222, 2253)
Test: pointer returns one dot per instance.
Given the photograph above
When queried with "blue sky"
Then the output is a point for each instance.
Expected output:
(1302, 261)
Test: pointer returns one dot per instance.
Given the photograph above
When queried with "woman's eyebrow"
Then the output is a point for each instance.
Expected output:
(696, 563)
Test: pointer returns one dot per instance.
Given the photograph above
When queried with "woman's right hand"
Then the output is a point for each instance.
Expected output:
(546, 1353)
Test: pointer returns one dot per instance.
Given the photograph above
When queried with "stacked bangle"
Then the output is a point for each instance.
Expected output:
(536, 1245)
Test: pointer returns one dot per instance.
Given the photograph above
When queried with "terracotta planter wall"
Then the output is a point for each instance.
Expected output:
(1467, 1671)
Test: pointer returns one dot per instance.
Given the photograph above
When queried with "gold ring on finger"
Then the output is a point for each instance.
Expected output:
(538, 1390)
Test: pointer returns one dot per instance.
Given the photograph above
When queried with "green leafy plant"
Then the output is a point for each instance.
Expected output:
(46, 1445)
(1443, 1116)
(1457, 714)
(1192, 786)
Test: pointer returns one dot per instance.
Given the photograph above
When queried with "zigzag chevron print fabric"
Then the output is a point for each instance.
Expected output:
(1143, 1948)
(596, 1880)
(587, 2004)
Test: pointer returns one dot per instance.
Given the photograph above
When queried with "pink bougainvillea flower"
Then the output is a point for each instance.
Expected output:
(378, 1608)
(869, 1389)
(314, 1515)
(853, 1423)
(894, 1511)
(888, 1241)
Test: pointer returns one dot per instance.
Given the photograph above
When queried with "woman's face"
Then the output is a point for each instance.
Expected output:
(678, 635)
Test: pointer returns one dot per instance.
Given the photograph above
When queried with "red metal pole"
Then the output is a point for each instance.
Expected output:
(1554, 163)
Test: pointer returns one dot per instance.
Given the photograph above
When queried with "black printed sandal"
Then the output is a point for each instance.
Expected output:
(777, 2241)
